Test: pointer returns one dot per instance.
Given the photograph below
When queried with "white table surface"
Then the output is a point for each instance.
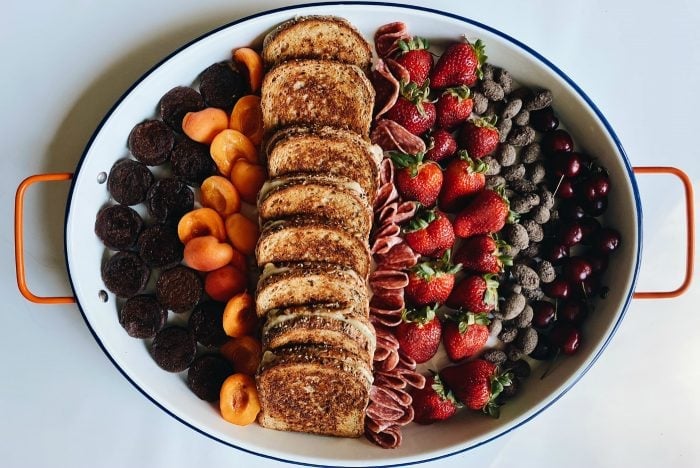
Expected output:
(62, 403)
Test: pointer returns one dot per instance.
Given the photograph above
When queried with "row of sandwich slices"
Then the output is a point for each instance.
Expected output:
(316, 214)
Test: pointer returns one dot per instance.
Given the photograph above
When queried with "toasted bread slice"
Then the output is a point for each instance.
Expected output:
(324, 150)
(312, 239)
(317, 92)
(320, 324)
(335, 198)
(316, 389)
(295, 284)
(317, 37)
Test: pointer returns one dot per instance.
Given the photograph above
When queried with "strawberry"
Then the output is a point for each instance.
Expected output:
(482, 254)
(429, 233)
(459, 65)
(419, 333)
(453, 107)
(412, 109)
(475, 293)
(415, 58)
(486, 213)
(415, 179)
(463, 178)
(477, 384)
(465, 334)
(432, 281)
(479, 137)
(441, 145)
(433, 402)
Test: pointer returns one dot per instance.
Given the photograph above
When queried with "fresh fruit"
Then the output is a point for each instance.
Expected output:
(228, 146)
(567, 164)
(595, 187)
(477, 384)
(465, 334)
(412, 109)
(566, 337)
(544, 314)
(555, 253)
(459, 65)
(415, 58)
(202, 126)
(571, 234)
(556, 141)
(201, 222)
(251, 61)
(463, 178)
(240, 318)
(246, 117)
(238, 400)
(432, 281)
(429, 233)
(475, 293)
(453, 107)
(242, 233)
(433, 402)
(207, 253)
(419, 333)
(482, 254)
(486, 213)
(417, 180)
(544, 120)
(557, 289)
(224, 283)
(479, 137)
(248, 178)
(219, 194)
(441, 145)
(577, 269)
(607, 240)
(244, 353)
(573, 311)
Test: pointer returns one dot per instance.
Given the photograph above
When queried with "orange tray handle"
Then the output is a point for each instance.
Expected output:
(690, 232)
(19, 238)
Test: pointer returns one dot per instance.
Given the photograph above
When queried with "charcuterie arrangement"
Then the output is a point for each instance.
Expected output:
(331, 220)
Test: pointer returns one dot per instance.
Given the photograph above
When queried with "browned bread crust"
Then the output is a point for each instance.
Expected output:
(317, 37)
(317, 92)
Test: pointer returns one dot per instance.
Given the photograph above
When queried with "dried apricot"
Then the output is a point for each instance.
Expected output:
(248, 178)
(202, 126)
(207, 253)
(244, 353)
(240, 318)
(246, 117)
(239, 261)
(219, 194)
(242, 232)
(238, 400)
(201, 222)
(225, 282)
(253, 63)
(228, 146)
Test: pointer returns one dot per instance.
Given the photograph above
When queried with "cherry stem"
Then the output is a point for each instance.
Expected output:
(561, 179)
(551, 365)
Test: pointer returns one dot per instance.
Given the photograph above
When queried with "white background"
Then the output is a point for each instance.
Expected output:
(62, 403)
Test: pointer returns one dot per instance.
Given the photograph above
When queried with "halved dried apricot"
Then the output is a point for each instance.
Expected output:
(219, 194)
(239, 261)
(248, 178)
(238, 400)
(201, 222)
(228, 146)
(240, 318)
(244, 353)
(202, 126)
(246, 117)
(242, 232)
(253, 63)
(225, 282)
(207, 253)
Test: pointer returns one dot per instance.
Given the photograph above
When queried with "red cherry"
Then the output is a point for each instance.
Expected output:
(573, 310)
(557, 289)
(577, 269)
(571, 234)
(598, 261)
(566, 337)
(596, 207)
(555, 253)
(608, 240)
(556, 141)
(596, 187)
(565, 189)
(544, 314)
(544, 120)
(566, 164)
(571, 210)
